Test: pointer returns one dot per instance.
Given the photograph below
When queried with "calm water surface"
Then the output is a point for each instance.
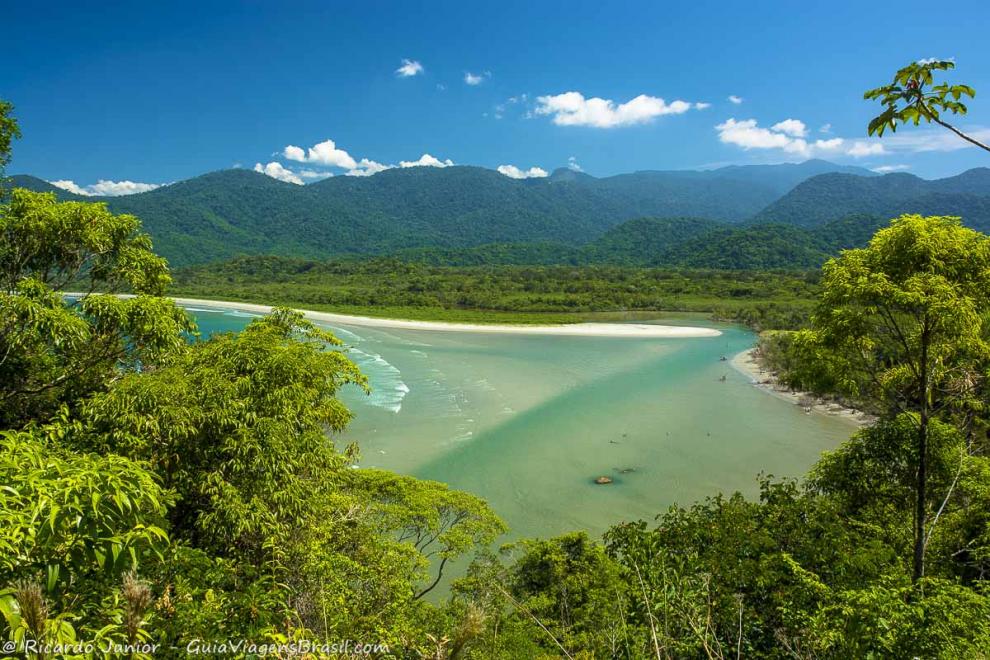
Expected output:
(528, 422)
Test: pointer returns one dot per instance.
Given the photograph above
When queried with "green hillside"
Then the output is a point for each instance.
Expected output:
(223, 214)
(463, 216)
(832, 196)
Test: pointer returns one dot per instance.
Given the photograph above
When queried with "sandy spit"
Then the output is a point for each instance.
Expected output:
(631, 330)
(747, 363)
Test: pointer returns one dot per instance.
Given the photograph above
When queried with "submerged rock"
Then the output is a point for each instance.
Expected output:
(602, 480)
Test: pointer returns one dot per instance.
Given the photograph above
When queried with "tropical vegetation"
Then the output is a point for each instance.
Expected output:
(157, 487)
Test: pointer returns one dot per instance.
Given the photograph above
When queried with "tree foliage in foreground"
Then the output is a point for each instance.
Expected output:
(157, 487)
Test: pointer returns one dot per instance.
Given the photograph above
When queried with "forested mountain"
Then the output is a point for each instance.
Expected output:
(222, 214)
(471, 215)
(831, 196)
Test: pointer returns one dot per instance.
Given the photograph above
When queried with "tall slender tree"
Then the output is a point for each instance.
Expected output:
(905, 322)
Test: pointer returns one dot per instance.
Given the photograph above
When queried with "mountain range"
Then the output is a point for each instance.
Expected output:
(755, 216)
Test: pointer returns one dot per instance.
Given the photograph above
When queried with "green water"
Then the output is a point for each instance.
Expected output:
(528, 422)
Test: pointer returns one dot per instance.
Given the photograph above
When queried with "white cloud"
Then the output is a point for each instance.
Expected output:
(748, 135)
(862, 149)
(327, 154)
(514, 172)
(792, 127)
(825, 128)
(324, 153)
(426, 160)
(929, 60)
(702, 106)
(105, 188)
(276, 171)
(573, 109)
(474, 79)
(572, 164)
(886, 169)
(829, 145)
(934, 139)
(366, 167)
(70, 185)
(313, 174)
(409, 69)
(789, 136)
(735, 99)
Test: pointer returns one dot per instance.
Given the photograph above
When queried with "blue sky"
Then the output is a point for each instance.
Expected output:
(157, 92)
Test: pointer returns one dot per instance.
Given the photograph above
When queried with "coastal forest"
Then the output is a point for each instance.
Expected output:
(157, 486)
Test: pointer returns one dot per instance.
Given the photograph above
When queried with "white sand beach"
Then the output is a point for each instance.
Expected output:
(633, 330)
(747, 363)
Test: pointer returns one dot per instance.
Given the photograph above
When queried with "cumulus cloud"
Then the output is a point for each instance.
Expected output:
(324, 153)
(105, 188)
(328, 154)
(887, 169)
(426, 160)
(735, 99)
(475, 79)
(573, 109)
(825, 128)
(748, 135)
(276, 171)
(409, 69)
(514, 172)
(367, 167)
(702, 106)
(792, 127)
(790, 136)
(572, 164)
(863, 149)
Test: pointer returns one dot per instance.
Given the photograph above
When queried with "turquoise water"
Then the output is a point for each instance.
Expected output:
(528, 422)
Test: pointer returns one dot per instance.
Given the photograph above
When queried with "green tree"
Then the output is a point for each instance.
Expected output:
(54, 350)
(913, 97)
(904, 322)
(9, 130)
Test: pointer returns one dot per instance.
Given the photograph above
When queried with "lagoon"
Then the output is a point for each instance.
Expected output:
(528, 422)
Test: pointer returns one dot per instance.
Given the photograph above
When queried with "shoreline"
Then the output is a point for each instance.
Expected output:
(747, 364)
(622, 330)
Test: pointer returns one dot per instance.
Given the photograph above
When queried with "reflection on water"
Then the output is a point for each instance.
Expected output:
(529, 422)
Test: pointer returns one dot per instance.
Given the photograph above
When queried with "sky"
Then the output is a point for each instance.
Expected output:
(115, 98)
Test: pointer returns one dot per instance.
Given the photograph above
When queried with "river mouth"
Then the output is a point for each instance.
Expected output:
(529, 423)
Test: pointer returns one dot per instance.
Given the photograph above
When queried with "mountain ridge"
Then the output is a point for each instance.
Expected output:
(227, 213)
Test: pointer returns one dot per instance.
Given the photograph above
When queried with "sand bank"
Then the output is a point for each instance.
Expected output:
(747, 363)
(632, 330)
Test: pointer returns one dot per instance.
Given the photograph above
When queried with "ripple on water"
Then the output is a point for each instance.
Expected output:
(342, 334)
(387, 387)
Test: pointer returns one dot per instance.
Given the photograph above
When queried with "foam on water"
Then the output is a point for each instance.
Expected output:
(240, 314)
(387, 387)
(341, 333)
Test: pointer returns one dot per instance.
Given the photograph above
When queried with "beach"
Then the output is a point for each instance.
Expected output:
(747, 363)
(630, 330)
